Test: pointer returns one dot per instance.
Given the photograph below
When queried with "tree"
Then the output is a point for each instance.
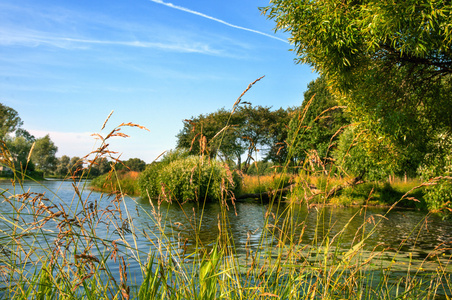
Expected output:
(102, 166)
(256, 131)
(340, 38)
(278, 136)
(217, 133)
(135, 164)
(132, 164)
(25, 134)
(317, 123)
(9, 121)
(248, 130)
(76, 166)
(352, 158)
(20, 148)
(43, 154)
(389, 62)
(63, 166)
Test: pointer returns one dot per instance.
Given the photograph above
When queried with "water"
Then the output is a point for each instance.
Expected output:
(424, 239)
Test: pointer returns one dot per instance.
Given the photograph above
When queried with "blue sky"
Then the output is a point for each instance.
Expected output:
(65, 65)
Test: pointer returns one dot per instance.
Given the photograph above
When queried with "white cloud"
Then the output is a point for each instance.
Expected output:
(34, 39)
(217, 20)
(83, 143)
(70, 143)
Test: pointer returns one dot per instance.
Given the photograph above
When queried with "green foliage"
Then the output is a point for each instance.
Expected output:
(9, 120)
(316, 124)
(439, 197)
(25, 152)
(217, 133)
(62, 166)
(389, 62)
(230, 135)
(99, 167)
(341, 38)
(25, 134)
(132, 164)
(76, 166)
(43, 154)
(188, 178)
(438, 166)
(19, 149)
(263, 128)
(278, 151)
(353, 158)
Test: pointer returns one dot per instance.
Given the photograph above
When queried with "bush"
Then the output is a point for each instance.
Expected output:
(186, 178)
(437, 168)
(439, 197)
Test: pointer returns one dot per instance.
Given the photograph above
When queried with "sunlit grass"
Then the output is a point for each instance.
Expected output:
(50, 249)
(126, 181)
(252, 184)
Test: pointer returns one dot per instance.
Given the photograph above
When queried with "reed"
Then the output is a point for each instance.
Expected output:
(252, 184)
(126, 181)
(51, 249)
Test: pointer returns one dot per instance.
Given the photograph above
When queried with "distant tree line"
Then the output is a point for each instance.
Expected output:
(21, 151)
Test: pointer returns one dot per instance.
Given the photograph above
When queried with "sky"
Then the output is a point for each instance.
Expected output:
(66, 65)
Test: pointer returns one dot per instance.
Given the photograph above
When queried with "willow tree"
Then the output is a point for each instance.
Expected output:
(389, 62)
(317, 124)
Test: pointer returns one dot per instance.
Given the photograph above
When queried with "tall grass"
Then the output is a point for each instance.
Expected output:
(260, 184)
(126, 181)
(83, 250)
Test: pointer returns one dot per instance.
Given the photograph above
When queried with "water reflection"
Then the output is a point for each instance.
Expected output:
(396, 230)
(193, 225)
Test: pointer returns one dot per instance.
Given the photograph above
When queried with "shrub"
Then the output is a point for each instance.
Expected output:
(439, 197)
(186, 178)
(437, 168)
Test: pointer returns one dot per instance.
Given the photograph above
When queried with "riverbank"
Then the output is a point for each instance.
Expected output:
(127, 248)
(312, 189)
(122, 181)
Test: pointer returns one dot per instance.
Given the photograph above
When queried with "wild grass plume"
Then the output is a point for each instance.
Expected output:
(109, 246)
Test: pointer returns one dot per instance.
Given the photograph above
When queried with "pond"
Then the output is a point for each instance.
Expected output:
(398, 235)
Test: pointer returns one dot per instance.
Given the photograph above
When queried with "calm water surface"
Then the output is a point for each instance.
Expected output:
(407, 231)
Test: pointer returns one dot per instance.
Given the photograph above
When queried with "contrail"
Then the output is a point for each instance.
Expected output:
(216, 20)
